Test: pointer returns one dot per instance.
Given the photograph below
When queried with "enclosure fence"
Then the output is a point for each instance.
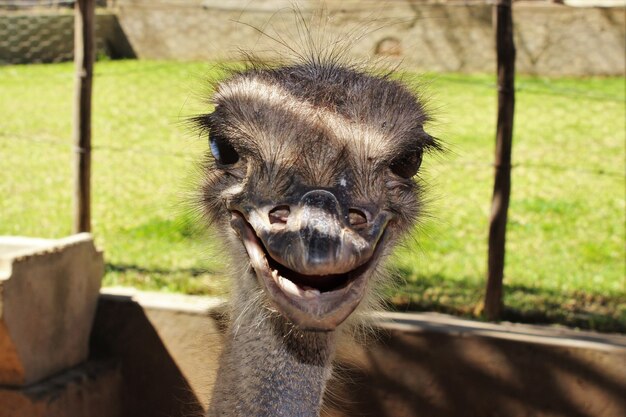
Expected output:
(159, 157)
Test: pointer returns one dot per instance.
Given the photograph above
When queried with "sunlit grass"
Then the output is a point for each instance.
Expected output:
(565, 258)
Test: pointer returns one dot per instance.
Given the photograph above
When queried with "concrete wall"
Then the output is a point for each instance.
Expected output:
(551, 39)
(433, 365)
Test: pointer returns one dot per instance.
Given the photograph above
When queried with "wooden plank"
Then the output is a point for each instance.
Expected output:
(505, 50)
(84, 55)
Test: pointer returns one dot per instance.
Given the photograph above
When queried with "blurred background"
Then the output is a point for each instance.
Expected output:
(155, 61)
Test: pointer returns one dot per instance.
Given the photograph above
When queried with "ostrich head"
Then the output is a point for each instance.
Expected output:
(312, 180)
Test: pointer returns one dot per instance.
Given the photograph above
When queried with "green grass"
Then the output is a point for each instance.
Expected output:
(566, 236)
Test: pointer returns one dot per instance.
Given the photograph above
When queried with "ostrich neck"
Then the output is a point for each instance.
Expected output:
(269, 368)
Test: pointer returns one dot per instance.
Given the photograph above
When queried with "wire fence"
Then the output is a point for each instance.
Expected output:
(567, 93)
(194, 156)
(371, 5)
(144, 159)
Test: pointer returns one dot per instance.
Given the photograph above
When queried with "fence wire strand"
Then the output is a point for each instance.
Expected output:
(185, 155)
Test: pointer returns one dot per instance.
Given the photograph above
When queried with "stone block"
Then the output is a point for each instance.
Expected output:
(92, 389)
(48, 295)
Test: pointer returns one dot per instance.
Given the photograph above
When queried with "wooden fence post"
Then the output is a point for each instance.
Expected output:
(84, 56)
(505, 50)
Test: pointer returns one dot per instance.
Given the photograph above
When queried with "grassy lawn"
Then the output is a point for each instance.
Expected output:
(566, 236)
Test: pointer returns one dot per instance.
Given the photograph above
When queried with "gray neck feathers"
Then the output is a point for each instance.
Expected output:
(271, 369)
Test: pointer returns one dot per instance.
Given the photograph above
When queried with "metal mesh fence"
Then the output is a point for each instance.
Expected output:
(36, 38)
(43, 32)
(144, 174)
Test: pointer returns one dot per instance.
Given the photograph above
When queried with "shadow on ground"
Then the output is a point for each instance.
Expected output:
(193, 272)
(444, 375)
(523, 304)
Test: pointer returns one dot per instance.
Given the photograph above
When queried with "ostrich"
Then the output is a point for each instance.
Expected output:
(310, 183)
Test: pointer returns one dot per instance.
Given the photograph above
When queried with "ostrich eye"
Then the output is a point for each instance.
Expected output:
(223, 152)
(407, 164)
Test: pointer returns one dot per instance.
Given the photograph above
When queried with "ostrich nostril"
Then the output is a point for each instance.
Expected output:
(279, 214)
(357, 218)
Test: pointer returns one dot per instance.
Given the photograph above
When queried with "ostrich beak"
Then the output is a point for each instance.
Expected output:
(313, 264)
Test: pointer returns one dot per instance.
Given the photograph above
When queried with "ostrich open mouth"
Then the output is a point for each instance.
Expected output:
(313, 302)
